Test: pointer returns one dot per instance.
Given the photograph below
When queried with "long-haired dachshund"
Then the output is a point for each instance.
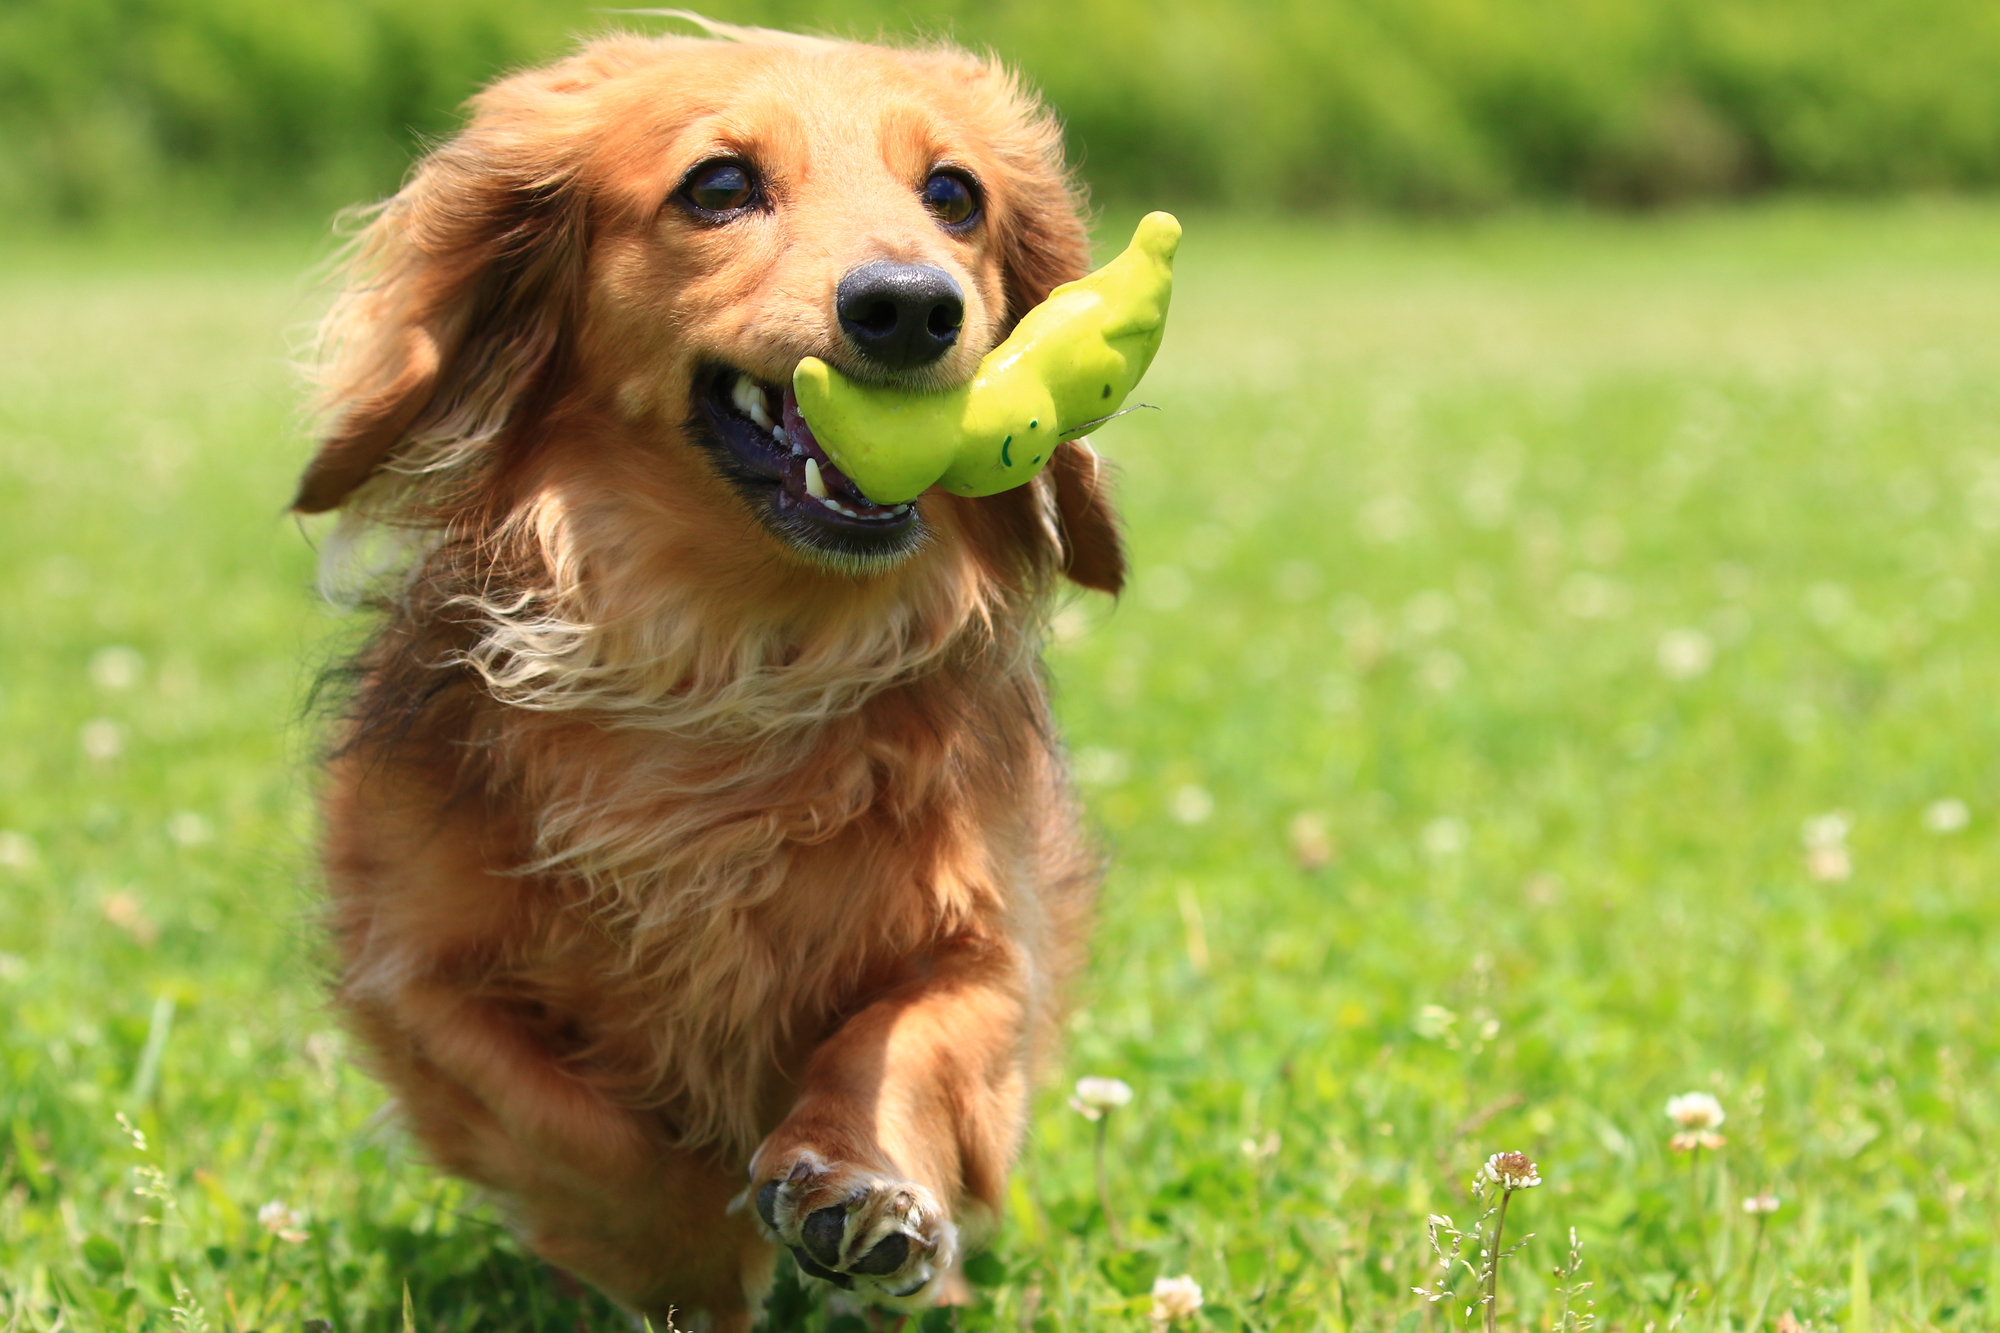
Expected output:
(703, 866)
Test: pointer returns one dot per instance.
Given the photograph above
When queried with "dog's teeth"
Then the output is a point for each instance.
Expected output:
(815, 484)
(748, 396)
(749, 399)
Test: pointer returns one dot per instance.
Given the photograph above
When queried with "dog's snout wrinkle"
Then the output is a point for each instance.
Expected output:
(900, 316)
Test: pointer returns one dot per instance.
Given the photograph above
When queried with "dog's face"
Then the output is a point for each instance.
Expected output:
(833, 201)
(605, 282)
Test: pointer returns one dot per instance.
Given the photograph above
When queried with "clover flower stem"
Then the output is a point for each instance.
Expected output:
(1756, 1253)
(270, 1263)
(1493, 1265)
(1700, 1212)
(1104, 1183)
(336, 1310)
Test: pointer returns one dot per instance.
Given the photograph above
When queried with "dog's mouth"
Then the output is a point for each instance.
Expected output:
(768, 451)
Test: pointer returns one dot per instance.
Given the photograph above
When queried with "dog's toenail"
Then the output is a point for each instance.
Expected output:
(822, 1232)
(889, 1254)
(767, 1204)
(800, 1170)
(810, 1268)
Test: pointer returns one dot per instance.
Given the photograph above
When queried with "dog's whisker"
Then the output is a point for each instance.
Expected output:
(1077, 430)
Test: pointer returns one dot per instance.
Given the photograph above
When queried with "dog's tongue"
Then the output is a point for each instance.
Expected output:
(797, 430)
(836, 481)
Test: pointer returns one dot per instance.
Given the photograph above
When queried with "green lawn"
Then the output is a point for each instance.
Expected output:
(1603, 603)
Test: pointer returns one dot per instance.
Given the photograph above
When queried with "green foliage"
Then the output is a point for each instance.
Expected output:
(1508, 599)
(120, 108)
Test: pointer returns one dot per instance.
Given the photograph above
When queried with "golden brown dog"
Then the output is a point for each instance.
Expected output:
(702, 861)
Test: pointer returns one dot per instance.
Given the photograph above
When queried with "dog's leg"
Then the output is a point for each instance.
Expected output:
(591, 1184)
(907, 1119)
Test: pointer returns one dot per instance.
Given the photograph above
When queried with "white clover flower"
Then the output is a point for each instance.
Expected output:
(1684, 654)
(102, 739)
(1095, 1096)
(1946, 816)
(1825, 839)
(278, 1219)
(188, 828)
(1827, 830)
(1258, 1150)
(1699, 1115)
(1434, 1022)
(1098, 767)
(1758, 1204)
(1512, 1171)
(124, 910)
(1174, 1298)
(1445, 836)
(1695, 1110)
(17, 850)
(1312, 848)
(1191, 804)
(116, 668)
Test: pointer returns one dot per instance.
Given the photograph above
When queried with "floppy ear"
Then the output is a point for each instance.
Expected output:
(1093, 550)
(1043, 244)
(457, 306)
(1043, 240)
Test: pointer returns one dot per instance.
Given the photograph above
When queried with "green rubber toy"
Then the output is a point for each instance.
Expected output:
(1063, 372)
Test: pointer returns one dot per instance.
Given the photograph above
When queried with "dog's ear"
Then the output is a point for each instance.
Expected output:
(1043, 240)
(1093, 550)
(1043, 244)
(458, 303)
(1050, 248)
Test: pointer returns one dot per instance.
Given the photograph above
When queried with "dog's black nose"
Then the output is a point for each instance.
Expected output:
(900, 316)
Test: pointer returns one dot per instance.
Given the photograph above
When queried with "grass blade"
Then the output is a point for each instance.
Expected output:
(1860, 1314)
(147, 1075)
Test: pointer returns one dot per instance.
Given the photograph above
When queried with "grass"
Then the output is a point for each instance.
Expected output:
(1509, 600)
(130, 110)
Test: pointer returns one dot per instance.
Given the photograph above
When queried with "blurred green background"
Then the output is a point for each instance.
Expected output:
(137, 108)
(1557, 672)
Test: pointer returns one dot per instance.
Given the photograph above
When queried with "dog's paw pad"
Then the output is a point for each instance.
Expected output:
(884, 1239)
(822, 1233)
(890, 1254)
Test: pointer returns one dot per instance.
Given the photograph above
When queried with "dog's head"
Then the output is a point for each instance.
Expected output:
(592, 299)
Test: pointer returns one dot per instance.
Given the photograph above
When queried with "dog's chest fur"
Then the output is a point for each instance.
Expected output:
(702, 914)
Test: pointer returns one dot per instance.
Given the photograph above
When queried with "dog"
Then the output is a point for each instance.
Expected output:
(703, 869)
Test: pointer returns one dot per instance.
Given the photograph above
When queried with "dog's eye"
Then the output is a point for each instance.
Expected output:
(949, 197)
(720, 187)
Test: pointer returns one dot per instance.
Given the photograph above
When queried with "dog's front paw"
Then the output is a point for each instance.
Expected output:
(883, 1238)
